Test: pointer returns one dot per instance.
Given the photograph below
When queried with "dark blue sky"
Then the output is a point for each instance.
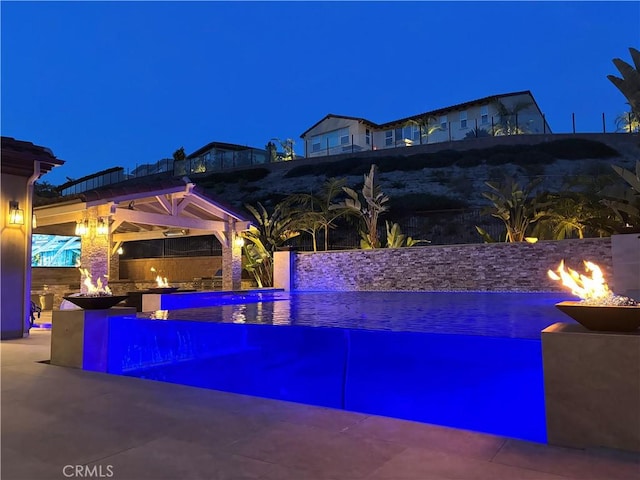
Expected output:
(107, 84)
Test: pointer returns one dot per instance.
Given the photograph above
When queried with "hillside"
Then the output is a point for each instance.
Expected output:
(424, 185)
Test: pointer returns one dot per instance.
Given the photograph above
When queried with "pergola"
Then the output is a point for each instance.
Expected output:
(107, 217)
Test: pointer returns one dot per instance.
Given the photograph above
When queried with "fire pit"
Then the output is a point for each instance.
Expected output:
(162, 285)
(600, 309)
(162, 289)
(98, 297)
(95, 302)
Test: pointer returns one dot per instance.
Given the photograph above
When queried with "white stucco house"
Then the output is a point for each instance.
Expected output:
(505, 114)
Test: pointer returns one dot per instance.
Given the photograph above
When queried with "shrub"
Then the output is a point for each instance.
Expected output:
(470, 160)
(249, 175)
(415, 202)
(577, 148)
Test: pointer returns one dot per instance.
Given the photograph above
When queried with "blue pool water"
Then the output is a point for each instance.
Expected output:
(465, 360)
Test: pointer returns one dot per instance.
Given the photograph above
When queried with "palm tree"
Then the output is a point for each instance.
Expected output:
(629, 84)
(625, 202)
(271, 232)
(514, 205)
(477, 133)
(287, 149)
(628, 122)
(368, 206)
(428, 125)
(508, 123)
(319, 212)
(571, 214)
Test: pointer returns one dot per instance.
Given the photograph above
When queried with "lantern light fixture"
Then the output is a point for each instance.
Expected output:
(16, 214)
(102, 227)
(82, 227)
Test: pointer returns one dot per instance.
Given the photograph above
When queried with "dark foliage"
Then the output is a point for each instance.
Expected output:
(420, 202)
(522, 155)
(577, 148)
(249, 175)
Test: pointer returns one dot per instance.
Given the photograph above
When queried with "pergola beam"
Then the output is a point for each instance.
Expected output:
(136, 216)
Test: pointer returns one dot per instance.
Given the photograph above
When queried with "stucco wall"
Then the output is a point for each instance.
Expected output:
(477, 267)
(13, 261)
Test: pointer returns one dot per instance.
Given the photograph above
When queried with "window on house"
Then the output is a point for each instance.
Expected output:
(344, 139)
(412, 132)
(388, 138)
(484, 115)
(443, 122)
(316, 146)
(463, 119)
(367, 136)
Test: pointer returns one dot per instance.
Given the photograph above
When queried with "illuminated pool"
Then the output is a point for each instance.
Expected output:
(465, 360)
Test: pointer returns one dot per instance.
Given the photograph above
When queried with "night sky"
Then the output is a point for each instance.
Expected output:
(107, 84)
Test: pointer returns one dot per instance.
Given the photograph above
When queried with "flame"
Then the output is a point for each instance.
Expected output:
(160, 281)
(586, 287)
(92, 289)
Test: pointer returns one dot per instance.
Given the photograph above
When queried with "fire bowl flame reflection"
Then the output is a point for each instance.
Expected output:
(603, 318)
(96, 302)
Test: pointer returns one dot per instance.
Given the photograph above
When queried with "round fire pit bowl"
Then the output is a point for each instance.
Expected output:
(162, 289)
(603, 318)
(96, 303)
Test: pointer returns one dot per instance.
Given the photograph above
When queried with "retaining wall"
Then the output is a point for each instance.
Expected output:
(517, 267)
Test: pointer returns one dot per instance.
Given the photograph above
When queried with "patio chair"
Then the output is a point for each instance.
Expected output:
(35, 309)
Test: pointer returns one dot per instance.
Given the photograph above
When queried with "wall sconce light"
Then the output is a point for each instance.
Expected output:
(82, 227)
(34, 222)
(102, 227)
(16, 214)
(120, 251)
(239, 242)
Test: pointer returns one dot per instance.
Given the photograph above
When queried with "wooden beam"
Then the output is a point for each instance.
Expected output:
(139, 196)
(155, 234)
(133, 236)
(222, 237)
(116, 246)
(165, 204)
(44, 221)
(135, 216)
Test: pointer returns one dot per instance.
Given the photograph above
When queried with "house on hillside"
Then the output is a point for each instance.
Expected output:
(217, 156)
(506, 114)
(92, 181)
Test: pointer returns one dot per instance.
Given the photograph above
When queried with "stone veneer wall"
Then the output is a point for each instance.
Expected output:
(477, 267)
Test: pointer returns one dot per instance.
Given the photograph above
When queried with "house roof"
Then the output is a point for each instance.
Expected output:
(135, 187)
(18, 157)
(218, 145)
(143, 210)
(332, 115)
(439, 111)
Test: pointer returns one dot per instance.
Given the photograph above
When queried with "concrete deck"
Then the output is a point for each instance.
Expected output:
(54, 417)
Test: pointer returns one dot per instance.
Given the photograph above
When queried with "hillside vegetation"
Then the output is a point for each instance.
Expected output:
(448, 179)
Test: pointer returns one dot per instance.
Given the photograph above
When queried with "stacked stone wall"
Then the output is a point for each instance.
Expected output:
(517, 267)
